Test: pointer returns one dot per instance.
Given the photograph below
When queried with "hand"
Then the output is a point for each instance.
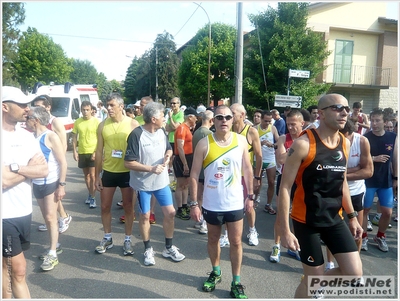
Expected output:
(381, 158)
(355, 228)
(37, 159)
(59, 193)
(99, 184)
(195, 213)
(185, 169)
(158, 169)
(289, 241)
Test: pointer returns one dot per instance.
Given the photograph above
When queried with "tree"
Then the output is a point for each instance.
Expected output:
(83, 73)
(286, 43)
(13, 15)
(130, 91)
(193, 74)
(103, 86)
(41, 60)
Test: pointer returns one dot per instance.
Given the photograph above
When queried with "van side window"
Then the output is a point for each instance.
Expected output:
(75, 109)
(85, 97)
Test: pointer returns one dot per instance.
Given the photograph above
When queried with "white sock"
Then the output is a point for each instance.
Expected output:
(107, 236)
(252, 229)
(226, 232)
(278, 245)
(127, 237)
(58, 245)
(53, 253)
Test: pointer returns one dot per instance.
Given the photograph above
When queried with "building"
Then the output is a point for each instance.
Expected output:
(363, 64)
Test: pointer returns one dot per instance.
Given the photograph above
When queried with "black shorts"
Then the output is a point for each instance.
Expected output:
(16, 235)
(278, 184)
(178, 166)
(220, 218)
(337, 238)
(358, 201)
(40, 191)
(85, 161)
(115, 179)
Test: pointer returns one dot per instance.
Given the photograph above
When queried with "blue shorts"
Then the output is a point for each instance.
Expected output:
(163, 196)
(385, 196)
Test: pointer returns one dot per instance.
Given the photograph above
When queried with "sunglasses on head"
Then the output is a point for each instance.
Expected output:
(338, 108)
(222, 117)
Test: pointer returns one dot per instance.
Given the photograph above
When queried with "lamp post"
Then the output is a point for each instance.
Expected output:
(209, 54)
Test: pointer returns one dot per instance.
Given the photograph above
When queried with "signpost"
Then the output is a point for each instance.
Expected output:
(288, 101)
(297, 73)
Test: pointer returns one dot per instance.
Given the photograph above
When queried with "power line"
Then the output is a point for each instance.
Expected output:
(187, 21)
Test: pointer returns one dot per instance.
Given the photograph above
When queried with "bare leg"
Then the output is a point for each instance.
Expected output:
(106, 196)
(14, 284)
(127, 194)
(235, 231)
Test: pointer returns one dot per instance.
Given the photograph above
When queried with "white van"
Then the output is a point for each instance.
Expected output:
(66, 102)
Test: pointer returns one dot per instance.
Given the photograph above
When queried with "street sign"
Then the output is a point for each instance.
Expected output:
(299, 73)
(288, 101)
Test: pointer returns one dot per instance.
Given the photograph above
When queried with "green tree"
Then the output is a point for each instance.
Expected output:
(286, 43)
(193, 74)
(103, 86)
(41, 60)
(166, 61)
(83, 73)
(13, 15)
(130, 91)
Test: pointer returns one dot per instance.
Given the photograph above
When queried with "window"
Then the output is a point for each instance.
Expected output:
(343, 61)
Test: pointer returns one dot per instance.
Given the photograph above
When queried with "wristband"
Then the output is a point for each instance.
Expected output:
(394, 178)
(257, 178)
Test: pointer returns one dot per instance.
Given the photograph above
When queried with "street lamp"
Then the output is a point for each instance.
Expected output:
(209, 54)
(144, 60)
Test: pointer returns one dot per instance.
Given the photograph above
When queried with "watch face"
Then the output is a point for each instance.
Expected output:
(14, 167)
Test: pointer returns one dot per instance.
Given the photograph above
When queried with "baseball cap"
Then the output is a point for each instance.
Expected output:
(137, 104)
(15, 95)
(190, 111)
(201, 109)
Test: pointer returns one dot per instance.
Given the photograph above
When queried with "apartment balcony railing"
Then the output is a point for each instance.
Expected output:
(353, 75)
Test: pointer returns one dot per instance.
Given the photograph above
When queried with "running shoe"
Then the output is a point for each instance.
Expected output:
(120, 204)
(223, 241)
(104, 245)
(375, 220)
(294, 254)
(253, 238)
(87, 201)
(203, 228)
(364, 244)
(395, 219)
(257, 201)
(92, 203)
(211, 282)
(329, 266)
(152, 218)
(197, 225)
(128, 250)
(268, 208)
(173, 185)
(63, 223)
(275, 254)
(173, 253)
(49, 262)
(182, 214)
(42, 228)
(369, 226)
(43, 255)
(149, 257)
(237, 291)
(382, 245)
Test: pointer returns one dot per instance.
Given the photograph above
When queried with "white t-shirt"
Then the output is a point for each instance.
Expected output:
(19, 147)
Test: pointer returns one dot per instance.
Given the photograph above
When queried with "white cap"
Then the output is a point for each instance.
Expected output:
(183, 108)
(137, 104)
(201, 109)
(15, 95)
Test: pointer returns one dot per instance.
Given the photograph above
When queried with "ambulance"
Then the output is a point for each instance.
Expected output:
(66, 102)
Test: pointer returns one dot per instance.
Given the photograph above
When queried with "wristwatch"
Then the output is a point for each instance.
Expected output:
(353, 214)
(14, 167)
(62, 183)
(257, 178)
(193, 204)
(251, 196)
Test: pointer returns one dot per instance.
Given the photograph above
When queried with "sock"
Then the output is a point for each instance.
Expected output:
(217, 270)
(236, 279)
(146, 244)
(53, 253)
(364, 235)
(278, 245)
(127, 237)
(381, 234)
(179, 208)
(58, 245)
(378, 216)
(226, 232)
(252, 229)
(168, 243)
(330, 265)
(107, 236)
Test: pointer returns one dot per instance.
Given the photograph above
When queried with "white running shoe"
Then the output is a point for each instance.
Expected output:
(149, 257)
(253, 238)
(223, 241)
(173, 253)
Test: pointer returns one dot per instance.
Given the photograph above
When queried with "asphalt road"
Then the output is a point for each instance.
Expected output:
(83, 274)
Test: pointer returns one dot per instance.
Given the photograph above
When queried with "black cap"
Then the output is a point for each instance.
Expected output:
(190, 111)
(212, 109)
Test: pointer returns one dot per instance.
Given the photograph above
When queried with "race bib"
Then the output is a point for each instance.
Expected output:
(116, 153)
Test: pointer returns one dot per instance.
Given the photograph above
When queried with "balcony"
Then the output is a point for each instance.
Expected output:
(358, 76)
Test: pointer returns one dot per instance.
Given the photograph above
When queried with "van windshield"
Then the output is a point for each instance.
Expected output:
(60, 106)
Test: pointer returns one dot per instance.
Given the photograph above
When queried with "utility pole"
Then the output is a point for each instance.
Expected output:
(239, 56)
(156, 73)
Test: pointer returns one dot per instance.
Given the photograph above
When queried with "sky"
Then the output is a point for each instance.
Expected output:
(109, 34)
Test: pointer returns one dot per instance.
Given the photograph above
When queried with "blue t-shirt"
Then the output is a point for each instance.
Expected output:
(280, 126)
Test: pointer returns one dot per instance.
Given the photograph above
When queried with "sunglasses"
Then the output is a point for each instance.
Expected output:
(173, 103)
(222, 117)
(338, 108)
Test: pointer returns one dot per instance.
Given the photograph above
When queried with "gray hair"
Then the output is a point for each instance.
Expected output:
(115, 96)
(41, 114)
(151, 110)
